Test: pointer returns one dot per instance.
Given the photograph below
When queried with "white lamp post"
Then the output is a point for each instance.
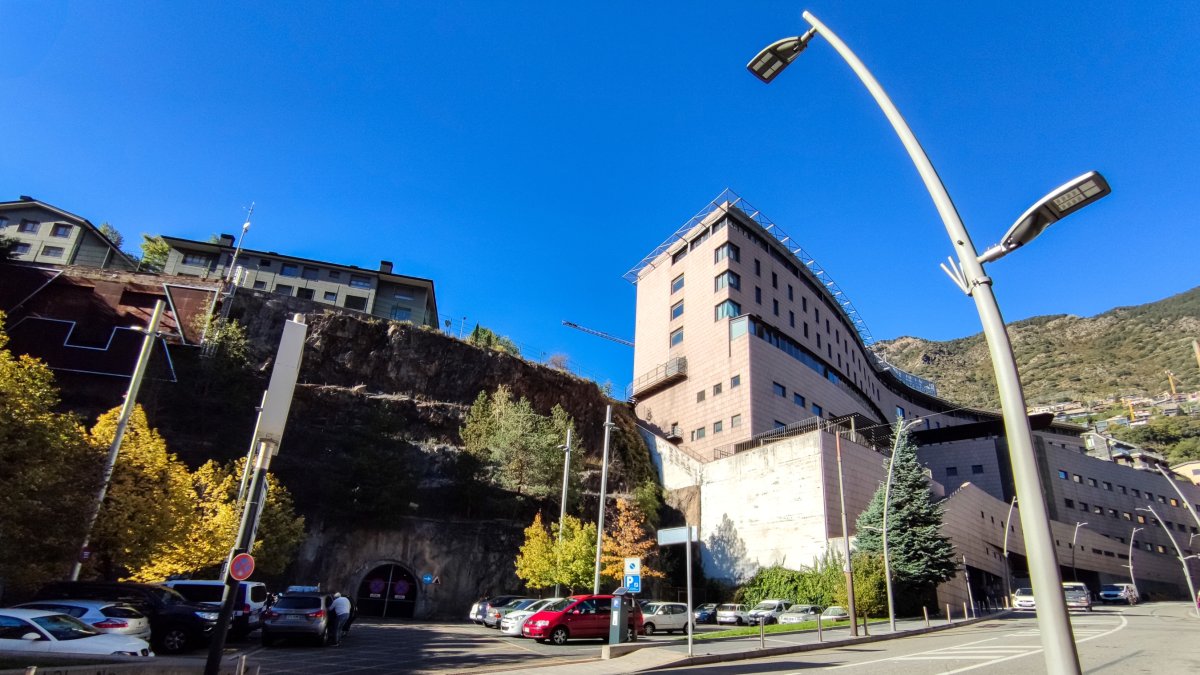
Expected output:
(1187, 575)
(1008, 526)
(1057, 638)
(1132, 580)
(1074, 537)
(901, 429)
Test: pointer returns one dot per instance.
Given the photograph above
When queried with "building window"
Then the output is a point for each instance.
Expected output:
(1098, 509)
(775, 307)
(1126, 515)
(1069, 502)
(699, 396)
(263, 262)
(1123, 490)
(952, 471)
(774, 280)
(677, 310)
(283, 289)
(1141, 519)
(260, 285)
(1092, 482)
(196, 259)
(698, 434)
(60, 230)
(818, 410)
(1083, 506)
(20, 249)
(758, 295)
(799, 400)
(780, 425)
(310, 273)
(401, 314)
(52, 251)
(1137, 492)
(757, 268)
(727, 278)
(727, 308)
(899, 413)
(716, 389)
(735, 381)
(289, 270)
(727, 250)
(334, 274)
(735, 421)
(330, 296)
(359, 281)
(790, 296)
(1077, 478)
(676, 336)
(677, 284)
(1108, 486)
(803, 304)
(356, 302)
(718, 426)
(779, 389)
(1160, 548)
(791, 319)
(28, 227)
(805, 329)
(1162, 499)
(679, 255)
(977, 469)
(306, 293)
(3, 222)
(1113, 513)
(1174, 502)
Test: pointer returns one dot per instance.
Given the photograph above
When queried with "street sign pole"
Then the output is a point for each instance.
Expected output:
(685, 536)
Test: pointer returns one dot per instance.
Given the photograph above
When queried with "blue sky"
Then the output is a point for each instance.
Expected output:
(526, 155)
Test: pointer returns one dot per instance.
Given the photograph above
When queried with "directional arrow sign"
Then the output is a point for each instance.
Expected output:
(633, 566)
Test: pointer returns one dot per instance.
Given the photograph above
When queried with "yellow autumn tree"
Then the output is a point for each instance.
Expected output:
(546, 559)
(536, 561)
(627, 537)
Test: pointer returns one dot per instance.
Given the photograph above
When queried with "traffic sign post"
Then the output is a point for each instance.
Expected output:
(242, 566)
(633, 575)
(685, 536)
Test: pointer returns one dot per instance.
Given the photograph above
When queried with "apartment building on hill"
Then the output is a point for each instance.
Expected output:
(47, 235)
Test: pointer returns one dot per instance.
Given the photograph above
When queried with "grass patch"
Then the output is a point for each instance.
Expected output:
(744, 631)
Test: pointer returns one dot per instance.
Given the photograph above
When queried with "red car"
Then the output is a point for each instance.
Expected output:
(580, 616)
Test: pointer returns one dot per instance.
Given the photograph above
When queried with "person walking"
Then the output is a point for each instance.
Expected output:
(341, 616)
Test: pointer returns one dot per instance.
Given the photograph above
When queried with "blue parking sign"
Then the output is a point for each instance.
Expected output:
(633, 583)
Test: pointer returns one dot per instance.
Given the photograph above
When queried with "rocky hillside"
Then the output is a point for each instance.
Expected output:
(1122, 351)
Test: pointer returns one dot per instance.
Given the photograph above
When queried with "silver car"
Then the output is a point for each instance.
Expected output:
(513, 622)
(298, 615)
(731, 613)
(800, 614)
(114, 618)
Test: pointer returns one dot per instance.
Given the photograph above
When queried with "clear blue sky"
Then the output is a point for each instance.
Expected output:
(525, 155)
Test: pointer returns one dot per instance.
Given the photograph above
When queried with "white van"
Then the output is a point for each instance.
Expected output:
(247, 612)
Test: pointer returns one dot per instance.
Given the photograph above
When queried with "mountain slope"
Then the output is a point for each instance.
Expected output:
(1062, 357)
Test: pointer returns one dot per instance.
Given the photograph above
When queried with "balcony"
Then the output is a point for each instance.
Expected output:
(661, 377)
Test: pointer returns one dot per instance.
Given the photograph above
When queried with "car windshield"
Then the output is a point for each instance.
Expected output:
(298, 602)
(709, 606)
(835, 610)
(64, 627)
(1024, 591)
(522, 604)
(798, 609)
(1110, 588)
(727, 608)
(61, 609)
(201, 592)
(539, 605)
(651, 608)
(170, 596)
(558, 605)
(765, 605)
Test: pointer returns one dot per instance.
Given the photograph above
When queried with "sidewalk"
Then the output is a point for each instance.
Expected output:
(674, 654)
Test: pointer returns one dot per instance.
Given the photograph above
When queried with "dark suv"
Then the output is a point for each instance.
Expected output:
(175, 623)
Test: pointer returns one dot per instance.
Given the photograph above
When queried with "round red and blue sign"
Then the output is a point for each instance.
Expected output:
(242, 566)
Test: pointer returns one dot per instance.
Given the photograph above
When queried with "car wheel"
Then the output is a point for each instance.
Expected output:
(630, 633)
(740, 622)
(173, 640)
(559, 636)
(649, 627)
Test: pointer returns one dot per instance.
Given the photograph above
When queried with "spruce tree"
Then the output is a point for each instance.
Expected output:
(920, 556)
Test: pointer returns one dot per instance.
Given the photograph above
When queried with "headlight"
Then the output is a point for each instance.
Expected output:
(541, 623)
(208, 616)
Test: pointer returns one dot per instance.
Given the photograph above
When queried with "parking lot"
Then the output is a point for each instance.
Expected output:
(403, 646)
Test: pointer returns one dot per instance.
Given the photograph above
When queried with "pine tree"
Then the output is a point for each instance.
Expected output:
(920, 557)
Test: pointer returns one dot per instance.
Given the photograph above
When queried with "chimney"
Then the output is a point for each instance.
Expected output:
(27, 198)
(385, 266)
(227, 240)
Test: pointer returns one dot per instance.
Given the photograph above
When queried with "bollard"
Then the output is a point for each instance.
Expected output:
(925, 610)
(949, 619)
(965, 615)
(762, 632)
(865, 625)
(820, 638)
(241, 665)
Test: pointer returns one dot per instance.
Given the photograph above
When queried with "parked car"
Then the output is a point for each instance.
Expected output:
(481, 608)
(114, 618)
(298, 615)
(706, 613)
(1078, 596)
(731, 613)
(667, 617)
(42, 632)
(175, 623)
(1022, 599)
(248, 608)
(835, 613)
(800, 614)
(497, 612)
(769, 611)
(1123, 593)
(514, 621)
(579, 616)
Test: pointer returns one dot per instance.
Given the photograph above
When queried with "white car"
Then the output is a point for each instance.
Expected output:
(115, 618)
(667, 617)
(513, 622)
(800, 614)
(835, 613)
(42, 632)
(731, 613)
(1022, 599)
(769, 611)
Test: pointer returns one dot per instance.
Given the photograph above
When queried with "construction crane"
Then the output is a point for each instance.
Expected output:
(597, 333)
(1171, 381)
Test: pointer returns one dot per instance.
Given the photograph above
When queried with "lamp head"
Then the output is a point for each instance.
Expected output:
(776, 56)
(1060, 203)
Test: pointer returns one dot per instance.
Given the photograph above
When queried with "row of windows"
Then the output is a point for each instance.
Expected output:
(357, 302)
(797, 398)
(33, 227)
(1162, 499)
(717, 427)
(734, 383)
(976, 469)
(295, 270)
(1126, 515)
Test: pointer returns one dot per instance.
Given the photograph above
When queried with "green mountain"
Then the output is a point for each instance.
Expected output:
(1126, 350)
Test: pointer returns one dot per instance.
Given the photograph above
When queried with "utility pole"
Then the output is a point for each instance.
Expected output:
(847, 567)
(608, 425)
(1132, 580)
(114, 448)
(562, 511)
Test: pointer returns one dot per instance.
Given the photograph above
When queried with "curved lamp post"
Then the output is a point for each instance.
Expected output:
(901, 429)
(1057, 638)
(1183, 560)
(1132, 580)
(1074, 537)
(1008, 570)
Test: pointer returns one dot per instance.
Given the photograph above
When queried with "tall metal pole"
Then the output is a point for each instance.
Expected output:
(114, 448)
(1054, 622)
(562, 511)
(1132, 580)
(847, 567)
(687, 553)
(247, 471)
(608, 425)
(1074, 546)
(1008, 570)
(1182, 560)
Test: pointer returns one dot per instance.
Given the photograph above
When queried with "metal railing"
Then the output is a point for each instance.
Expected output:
(675, 369)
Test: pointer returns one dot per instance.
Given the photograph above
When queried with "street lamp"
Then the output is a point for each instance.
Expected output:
(901, 429)
(1054, 621)
(1007, 570)
(1132, 580)
(562, 511)
(1182, 560)
(1074, 537)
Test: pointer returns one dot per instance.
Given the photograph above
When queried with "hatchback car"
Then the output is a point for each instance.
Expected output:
(800, 614)
(580, 616)
(298, 615)
(1078, 596)
(480, 609)
(42, 632)
(667, 617)
(731, 613)
(514, 622)
(835, 613)
(497, 613)
(769, 611)
(1022, 599)
(1122, 593)
(706, 613)
(248, 608)
(105, 616)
